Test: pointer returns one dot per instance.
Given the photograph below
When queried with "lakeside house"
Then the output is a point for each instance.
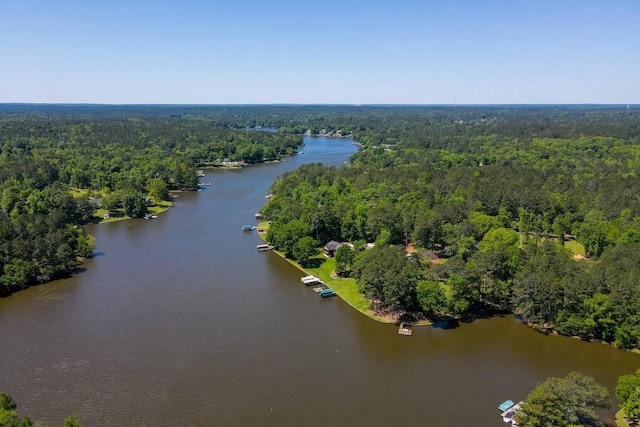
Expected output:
(96, 202)
(331, 247)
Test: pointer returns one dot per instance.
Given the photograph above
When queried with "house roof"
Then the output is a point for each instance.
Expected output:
(332, 245)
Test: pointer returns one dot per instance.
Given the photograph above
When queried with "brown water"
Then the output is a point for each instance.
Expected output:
(180, 321)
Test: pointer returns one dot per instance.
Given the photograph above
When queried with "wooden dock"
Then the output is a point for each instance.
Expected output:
(404, 330)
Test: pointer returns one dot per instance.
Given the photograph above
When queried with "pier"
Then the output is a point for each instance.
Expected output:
(404, 330)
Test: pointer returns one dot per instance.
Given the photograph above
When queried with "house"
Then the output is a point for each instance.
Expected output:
(331, 248)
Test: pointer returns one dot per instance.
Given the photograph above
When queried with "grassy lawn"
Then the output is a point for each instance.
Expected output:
(620, 420)
(347, 289)
(576, 247)
(78, 193)
(263, 227)
(159, 207)
(99, 215)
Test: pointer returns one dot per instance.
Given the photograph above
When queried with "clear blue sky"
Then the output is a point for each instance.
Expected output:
(346, 51)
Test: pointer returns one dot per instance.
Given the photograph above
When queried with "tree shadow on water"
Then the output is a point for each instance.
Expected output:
(446, 323)
(481, 312)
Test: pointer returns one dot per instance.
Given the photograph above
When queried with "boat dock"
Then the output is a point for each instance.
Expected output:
(508, 411)
(323, 290)
(404, 330)
(326, 293)
(311, 280)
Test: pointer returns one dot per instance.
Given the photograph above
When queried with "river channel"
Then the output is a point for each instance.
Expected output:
(179, 321)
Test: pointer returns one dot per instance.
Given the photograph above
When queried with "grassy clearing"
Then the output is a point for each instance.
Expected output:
(99, 216)
(576, 247)
(158, 208)
(78, 193)
(263, 227)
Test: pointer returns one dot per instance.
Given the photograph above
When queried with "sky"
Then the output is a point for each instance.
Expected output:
(320, 52)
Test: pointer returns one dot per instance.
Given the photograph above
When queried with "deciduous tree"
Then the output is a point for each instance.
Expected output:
(566, 401)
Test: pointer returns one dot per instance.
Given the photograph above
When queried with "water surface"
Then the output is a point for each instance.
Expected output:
(180, 321)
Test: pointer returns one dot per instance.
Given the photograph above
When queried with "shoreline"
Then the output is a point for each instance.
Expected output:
(331, 281)
(161, 207)
(342, 283)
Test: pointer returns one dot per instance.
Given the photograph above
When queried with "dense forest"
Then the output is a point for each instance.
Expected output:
(533, 211)
(527, 209)
(123, 161)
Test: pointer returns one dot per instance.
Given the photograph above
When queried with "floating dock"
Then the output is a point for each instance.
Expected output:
(404, 330)
(326, 293)
(508, 411)
(311, 280)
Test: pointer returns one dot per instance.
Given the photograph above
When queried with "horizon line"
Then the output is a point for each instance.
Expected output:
(286, 104)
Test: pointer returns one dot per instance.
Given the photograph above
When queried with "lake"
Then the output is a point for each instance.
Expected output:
(181, 321)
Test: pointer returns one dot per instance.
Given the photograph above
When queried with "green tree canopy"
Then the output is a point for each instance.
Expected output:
(304, 250)
(9, 413)
(571, 400)
(431, 297)
(385, 273)
(628, 391)
(345, 257)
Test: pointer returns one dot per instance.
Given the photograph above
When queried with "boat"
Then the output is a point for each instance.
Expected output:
(505, 405)
(326, 293)
(310, 280)
(247, 228)
(508, 411)
(264, 247)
